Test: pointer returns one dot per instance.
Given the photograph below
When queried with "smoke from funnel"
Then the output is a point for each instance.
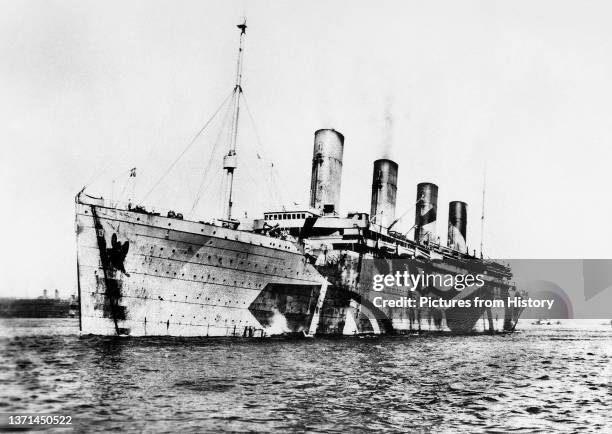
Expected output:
(389, 129)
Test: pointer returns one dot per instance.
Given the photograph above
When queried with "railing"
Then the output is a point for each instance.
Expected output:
(153, 210)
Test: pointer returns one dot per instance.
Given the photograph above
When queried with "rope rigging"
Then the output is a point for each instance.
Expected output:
(193, 140)
(203, 185)
(269, 172)
(271, 185)
(230, 159)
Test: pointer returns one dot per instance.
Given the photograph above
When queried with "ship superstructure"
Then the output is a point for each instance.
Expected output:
(303, 271)
(349, 250)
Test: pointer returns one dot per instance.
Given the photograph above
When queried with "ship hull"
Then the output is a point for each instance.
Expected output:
(182, 278)
(142, 274)
(354, 307)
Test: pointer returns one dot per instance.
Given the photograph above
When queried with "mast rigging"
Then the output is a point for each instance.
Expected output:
(230, 160)
(482, 216)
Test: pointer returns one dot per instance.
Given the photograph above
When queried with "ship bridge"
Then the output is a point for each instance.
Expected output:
(292, 218)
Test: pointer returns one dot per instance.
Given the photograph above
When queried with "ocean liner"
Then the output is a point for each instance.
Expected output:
(306, 271)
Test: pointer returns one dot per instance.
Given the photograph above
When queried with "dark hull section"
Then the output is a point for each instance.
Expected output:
(353, 307)
(293, 305)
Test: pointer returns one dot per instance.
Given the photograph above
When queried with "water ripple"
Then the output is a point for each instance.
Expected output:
(532, 381)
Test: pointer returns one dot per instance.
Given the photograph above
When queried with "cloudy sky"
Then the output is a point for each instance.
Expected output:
(90, 89)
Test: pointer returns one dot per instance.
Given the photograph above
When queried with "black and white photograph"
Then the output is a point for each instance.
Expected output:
(306, 216)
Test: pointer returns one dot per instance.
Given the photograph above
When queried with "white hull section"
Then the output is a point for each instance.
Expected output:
(183, 278)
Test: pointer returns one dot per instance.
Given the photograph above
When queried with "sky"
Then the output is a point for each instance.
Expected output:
(447, 89)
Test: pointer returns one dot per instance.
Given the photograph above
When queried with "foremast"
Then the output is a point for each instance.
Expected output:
(230, 160)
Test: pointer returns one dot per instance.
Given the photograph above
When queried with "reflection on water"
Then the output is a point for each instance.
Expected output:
(540, 379)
